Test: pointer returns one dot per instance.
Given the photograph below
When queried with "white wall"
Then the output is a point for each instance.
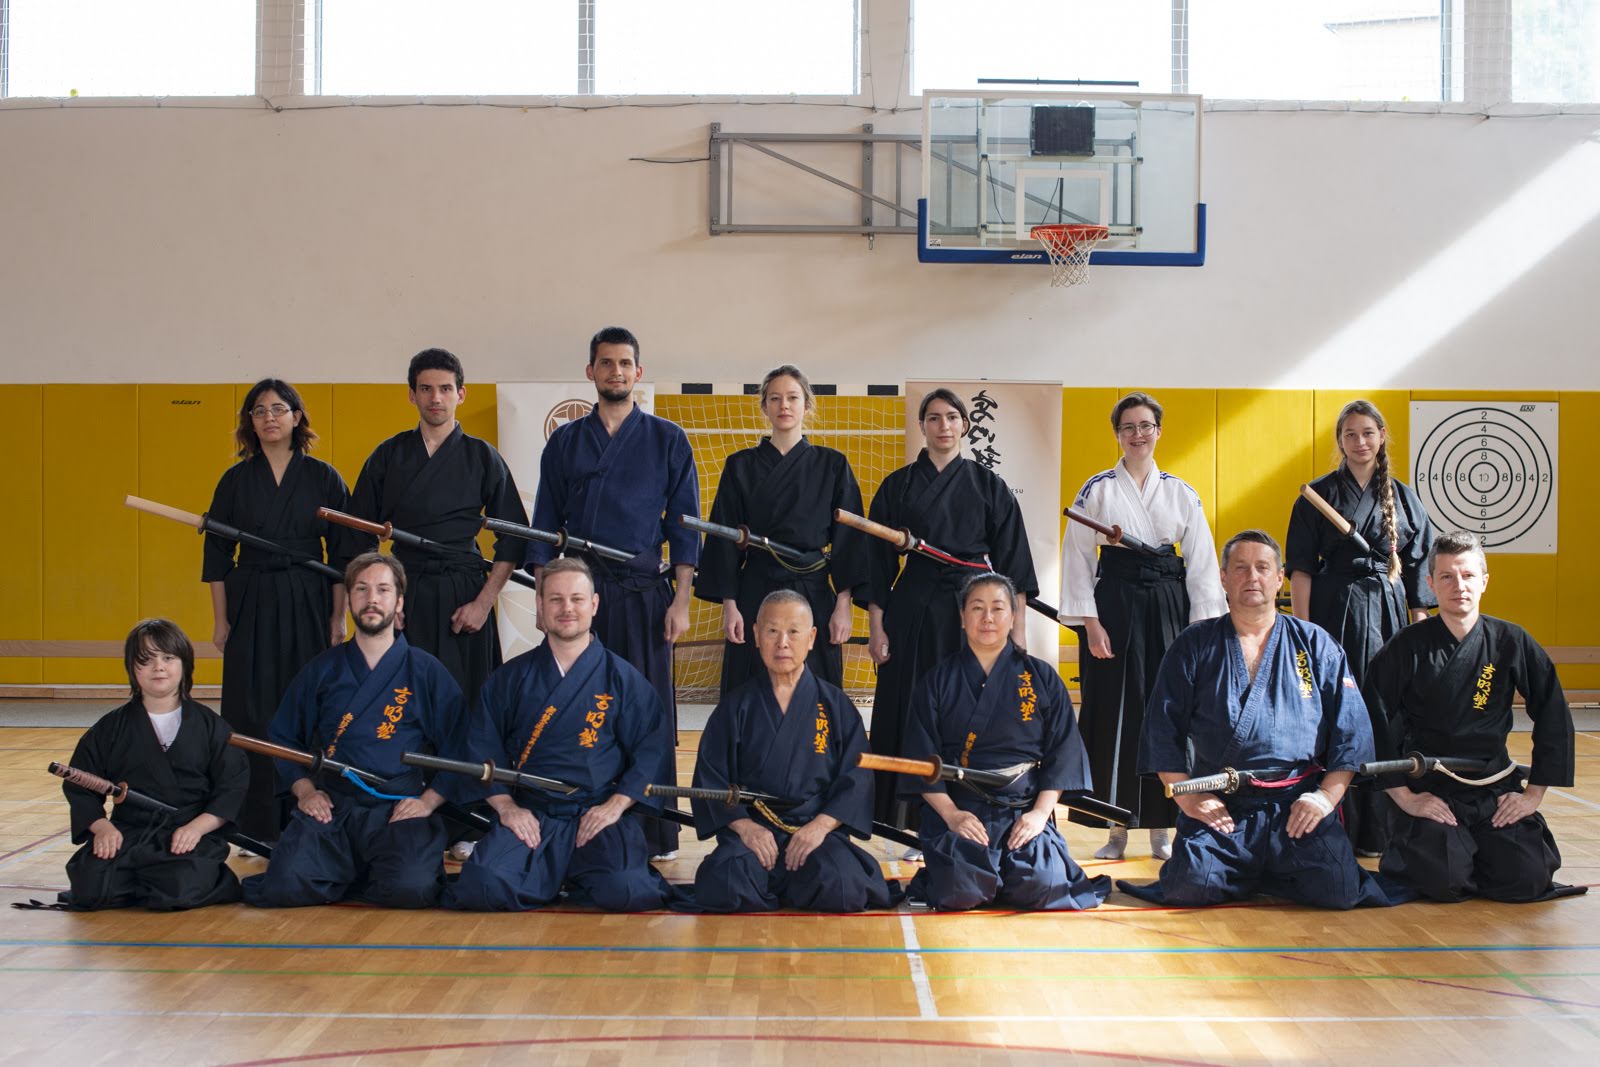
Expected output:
(146, 244)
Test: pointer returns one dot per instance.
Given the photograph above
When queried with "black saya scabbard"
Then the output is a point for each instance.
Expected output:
(799, 558)
(317, 763)
(732, 796)
(206, 524)
(563, 541)
(121, 794)
(905, 541)
(487, 772)
(387, 531)
(1415, 765)
(736, 795)
(934, 769)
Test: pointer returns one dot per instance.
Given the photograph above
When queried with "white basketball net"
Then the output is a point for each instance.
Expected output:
(1069, 248)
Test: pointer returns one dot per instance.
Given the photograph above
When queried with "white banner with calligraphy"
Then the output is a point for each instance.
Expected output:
(1015, 432)
(529, 413)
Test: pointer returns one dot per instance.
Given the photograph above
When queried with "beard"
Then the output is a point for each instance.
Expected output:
(373, 629)
(614, 394)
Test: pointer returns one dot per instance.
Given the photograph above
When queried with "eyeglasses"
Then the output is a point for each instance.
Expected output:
(1144, 429)
(277, 411)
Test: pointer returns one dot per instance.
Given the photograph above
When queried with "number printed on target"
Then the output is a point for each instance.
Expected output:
(1489, 468)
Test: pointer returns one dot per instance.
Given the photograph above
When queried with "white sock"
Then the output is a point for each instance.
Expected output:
(1115, 845)
(1160, 847)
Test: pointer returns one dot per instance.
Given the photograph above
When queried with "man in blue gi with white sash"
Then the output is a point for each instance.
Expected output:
(1254, 690)
(363, 703)
(621, 477)
(788, 733)
(993, 706)
(575, 712)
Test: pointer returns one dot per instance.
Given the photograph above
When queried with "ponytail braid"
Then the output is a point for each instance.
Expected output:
(1385, 490)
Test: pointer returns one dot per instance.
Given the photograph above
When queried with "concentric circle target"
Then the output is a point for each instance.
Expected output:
(1485, 470)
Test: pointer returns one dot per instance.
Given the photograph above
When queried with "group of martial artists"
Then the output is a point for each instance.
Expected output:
(572, 736)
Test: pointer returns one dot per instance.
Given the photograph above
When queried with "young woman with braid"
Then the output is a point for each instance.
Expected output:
(1361, 599)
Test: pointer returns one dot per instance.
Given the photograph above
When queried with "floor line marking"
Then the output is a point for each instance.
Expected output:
(1564, 795)
(919, 974)
(790, 976)
(788, 950)
(23, 853)
(394, 1016)
(601, 1039)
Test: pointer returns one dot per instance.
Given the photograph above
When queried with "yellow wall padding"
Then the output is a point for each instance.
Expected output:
(84, 568)
(1264, 455)
(90, 555)
(22, 534)
(1577, 589)
(185, 442)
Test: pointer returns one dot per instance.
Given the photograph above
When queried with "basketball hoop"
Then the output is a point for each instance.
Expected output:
(1069, 248)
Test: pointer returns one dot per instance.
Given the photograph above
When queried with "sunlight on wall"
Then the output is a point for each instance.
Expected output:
(1455, 284)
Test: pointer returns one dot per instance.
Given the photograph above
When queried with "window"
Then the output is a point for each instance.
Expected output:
(1316, 49)
(563, 47)
(127, 48)
(434, 48)
(1555, 51)
(757, 47)
(956, 42)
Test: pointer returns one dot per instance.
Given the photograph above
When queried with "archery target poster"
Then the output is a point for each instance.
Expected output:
(1489, 468)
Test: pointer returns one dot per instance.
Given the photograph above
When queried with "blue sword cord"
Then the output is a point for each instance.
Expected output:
(349, 775)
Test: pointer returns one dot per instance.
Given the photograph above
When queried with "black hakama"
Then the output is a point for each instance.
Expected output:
(1354, 600)
(1143, 605)
(444, 498)
(1429, 693)
(790, 498)
(279, 614)
(967, 511)
(199, 773)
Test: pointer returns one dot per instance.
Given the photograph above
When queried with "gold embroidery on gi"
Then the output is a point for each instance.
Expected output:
(1485, 685)
(538, 729)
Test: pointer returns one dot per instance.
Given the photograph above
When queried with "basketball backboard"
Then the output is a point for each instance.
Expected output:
(996, 162)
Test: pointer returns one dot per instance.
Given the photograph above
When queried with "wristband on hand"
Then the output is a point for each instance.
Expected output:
(1320, 799)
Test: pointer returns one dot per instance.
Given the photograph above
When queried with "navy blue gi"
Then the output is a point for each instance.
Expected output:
(625, 491)
(599, 728)
(1019, 713)
(807, 755)
(1302, 713)
(366, 718)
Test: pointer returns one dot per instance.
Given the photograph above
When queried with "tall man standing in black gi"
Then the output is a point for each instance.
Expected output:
(621, 477)
(437, 482)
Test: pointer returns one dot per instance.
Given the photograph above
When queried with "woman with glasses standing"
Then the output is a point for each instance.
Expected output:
(1126, 608)
(272, 616)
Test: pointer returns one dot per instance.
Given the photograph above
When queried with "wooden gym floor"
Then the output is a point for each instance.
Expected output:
(1260, 983)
